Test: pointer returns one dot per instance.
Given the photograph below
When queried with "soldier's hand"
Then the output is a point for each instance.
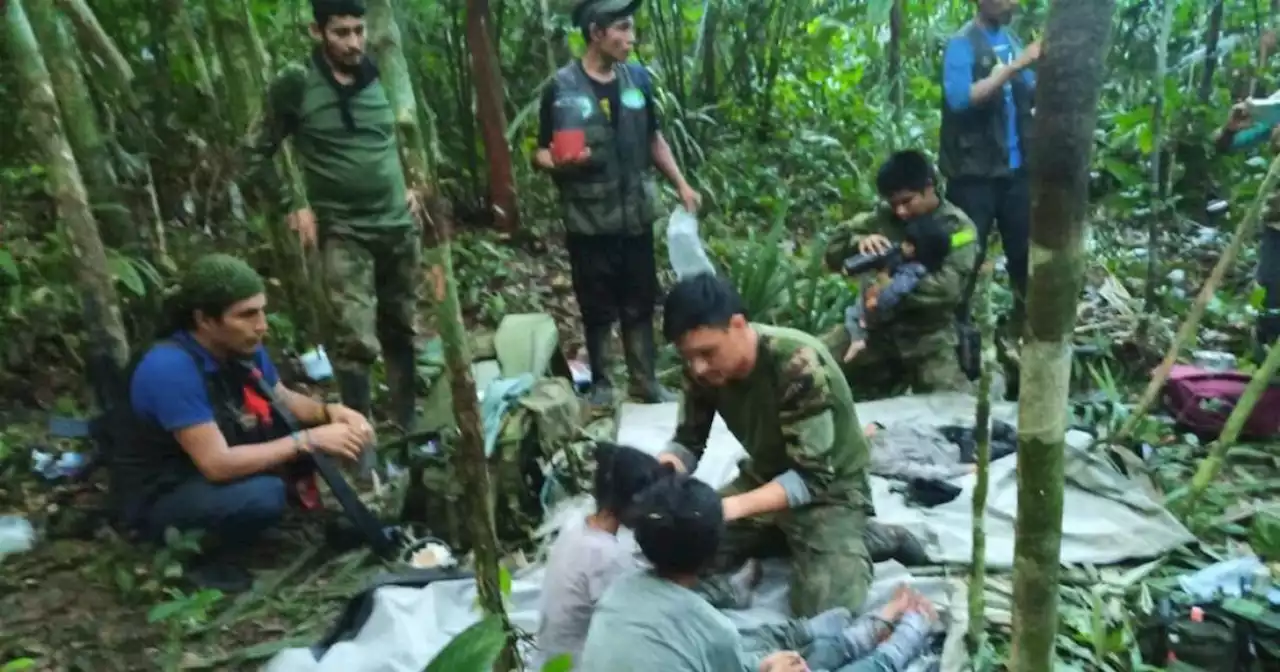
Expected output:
(1028, 56)
(874, 244)
(337, 439)
(304, 222)
(1239, 118)
(784, 661)
(673, 460)
(570, 161)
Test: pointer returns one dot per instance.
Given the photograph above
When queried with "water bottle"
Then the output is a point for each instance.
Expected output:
(684, 247)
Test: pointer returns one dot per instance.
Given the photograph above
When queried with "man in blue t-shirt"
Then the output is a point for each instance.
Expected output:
(988, 86)
(206, 450)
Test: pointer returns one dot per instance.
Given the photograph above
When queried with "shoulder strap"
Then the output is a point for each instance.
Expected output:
(380, 538)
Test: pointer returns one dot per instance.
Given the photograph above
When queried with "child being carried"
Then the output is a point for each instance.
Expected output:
(924, 248)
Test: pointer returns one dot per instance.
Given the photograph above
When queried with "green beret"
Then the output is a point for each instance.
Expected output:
(215, 282)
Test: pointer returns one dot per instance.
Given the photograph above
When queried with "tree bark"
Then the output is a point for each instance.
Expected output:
(80, 120)
(1155, 220)
(108, 348)
(977, 634)
(242, 77)
(897, 28)
(99, 43)
(1071, 73)
(384, 34)
(467, 457)
(1211, 37)
(493, 121)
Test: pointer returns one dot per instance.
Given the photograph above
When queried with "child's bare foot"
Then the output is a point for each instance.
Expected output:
(854, 348)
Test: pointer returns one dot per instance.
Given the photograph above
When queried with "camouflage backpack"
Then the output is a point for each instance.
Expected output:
(540, 452)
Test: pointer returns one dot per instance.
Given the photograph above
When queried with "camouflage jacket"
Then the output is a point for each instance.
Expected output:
(794, 412)
(931, 305)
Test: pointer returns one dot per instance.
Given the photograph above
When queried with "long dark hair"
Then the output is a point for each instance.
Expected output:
(622, 473)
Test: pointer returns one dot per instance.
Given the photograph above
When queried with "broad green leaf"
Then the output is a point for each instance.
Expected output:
(8, 266)
(165, 610)
(23, 664)
(475, 649)
(561, 663)
(128, 276)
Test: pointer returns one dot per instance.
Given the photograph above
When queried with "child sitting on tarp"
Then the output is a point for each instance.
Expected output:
(587, 555)
(653, 620)
(924, 247)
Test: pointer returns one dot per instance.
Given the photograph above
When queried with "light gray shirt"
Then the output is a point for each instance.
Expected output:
(582, 563)
(648, 624)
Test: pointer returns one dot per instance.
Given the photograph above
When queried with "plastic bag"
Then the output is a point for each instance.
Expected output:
(684, 247)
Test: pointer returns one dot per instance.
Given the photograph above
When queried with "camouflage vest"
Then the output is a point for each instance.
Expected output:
(613, 194)
(974, 142)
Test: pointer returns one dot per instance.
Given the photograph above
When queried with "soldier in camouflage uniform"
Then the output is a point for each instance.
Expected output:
(804, 485)
(609, 199)
(917, 344)
(1241, 132)
(343, 128)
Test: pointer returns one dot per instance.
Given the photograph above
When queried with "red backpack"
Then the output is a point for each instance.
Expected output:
(1201, 401)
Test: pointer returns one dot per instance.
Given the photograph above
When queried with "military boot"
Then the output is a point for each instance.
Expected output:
(354, 388)
(642, 355)
(402, 387)
(1265, 333)
(893, 542)
(597, 342)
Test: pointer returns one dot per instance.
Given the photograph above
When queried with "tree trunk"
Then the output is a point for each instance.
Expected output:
(80, 120)
(96, 39)
(108, 349)
(467, 458)
(1071, 72)
(384, 36)
(897, 28)
(1155, 222)
(1211, 37)
(977, 634)
(493, 122)
(241, 74)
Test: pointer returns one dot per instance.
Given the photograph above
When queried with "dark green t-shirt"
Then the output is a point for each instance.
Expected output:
(353, 178)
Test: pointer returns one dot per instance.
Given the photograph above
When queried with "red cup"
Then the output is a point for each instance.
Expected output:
(567, 145)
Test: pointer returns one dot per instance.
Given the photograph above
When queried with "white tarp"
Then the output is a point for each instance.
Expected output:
(1108, 518)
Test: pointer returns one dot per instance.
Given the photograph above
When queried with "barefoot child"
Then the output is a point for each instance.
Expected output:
(924, 248)
(653, 620)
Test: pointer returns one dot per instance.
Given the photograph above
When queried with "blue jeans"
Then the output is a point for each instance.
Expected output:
(236, 512)
(821, 653)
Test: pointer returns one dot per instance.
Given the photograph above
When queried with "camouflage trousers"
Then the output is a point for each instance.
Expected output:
(372, 284)
(890, 364)
(830, 565)
(819, 653)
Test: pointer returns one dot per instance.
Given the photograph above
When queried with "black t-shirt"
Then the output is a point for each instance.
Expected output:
(609, 98)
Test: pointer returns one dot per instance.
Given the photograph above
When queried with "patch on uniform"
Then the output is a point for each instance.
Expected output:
(804, 382)
(633, 99)
(585, 107)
